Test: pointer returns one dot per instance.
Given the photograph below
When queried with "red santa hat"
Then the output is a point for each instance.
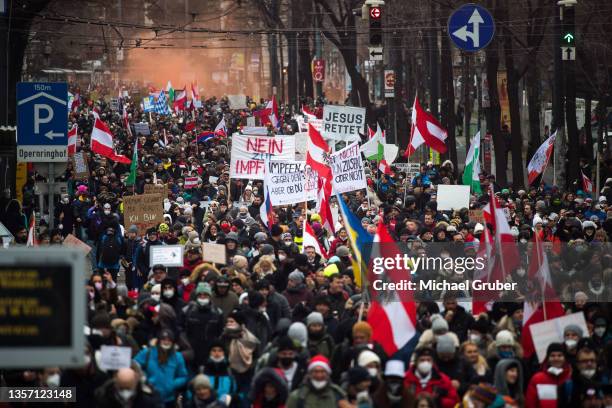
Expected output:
(319, 361)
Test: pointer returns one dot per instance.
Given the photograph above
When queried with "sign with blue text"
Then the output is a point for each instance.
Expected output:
(471, 27)
(42, 127)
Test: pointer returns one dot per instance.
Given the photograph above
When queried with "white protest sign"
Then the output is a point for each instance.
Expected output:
(286, 183)
(250, 152)
(167, 255)
(254, 130)
(251, 121)
(453, 197)
(343, 122)
(301, 145)
(347, 169)
(142, 129)
(115, 357)
(411, 169)
(551, 331)
(237, 101)
(214, 253)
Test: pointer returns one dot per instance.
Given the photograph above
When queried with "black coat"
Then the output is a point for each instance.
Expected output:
(146, 397)
(203, 324)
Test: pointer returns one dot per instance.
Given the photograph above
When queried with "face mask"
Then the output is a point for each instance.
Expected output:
(217, 359)
(65, 200)
(185, 281)
(475, 338)
(166, 346)
(570, 343)
(318, 384)
(203, 302)
(520, 272)
(168, 293)
(555, 371)
(53, 380)
(506, 354)
(424, 367)
(87, 359)
(106, 212)
(373, 372)
(588, 373)
(98, 285)
(600, 331)
(126, 394)
(281, 258)
(243, 216)
(286, 362)
(156, 297)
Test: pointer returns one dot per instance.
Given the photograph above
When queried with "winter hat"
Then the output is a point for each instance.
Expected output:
(574, 329)
(478, 228)
(319, 361)
(341, 251)
(555, 347)
(395, 368)
(423, 351)
(314, 318)
(203, 288)
(166, 334)
(366, 357)
(237, 316)
(296, 276)
(439, 325)
(240, 261)
(133, 229)
(485, 393)
(276, 230)
(357, 374)
(504, 338)
(445, 344)
(285, 343)
(362, 327)
(299, 333)
(242, 297)
(266, 249)
(201, 381)
(260, 237)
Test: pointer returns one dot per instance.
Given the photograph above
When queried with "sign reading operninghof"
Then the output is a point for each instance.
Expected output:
(347, 169)
(287, 183)
(343, 122)
(249, 154)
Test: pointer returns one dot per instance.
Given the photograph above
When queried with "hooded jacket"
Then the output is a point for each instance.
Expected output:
(439, 386)
(538, 386)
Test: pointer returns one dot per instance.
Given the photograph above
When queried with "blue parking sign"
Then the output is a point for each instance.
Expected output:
(42, 122)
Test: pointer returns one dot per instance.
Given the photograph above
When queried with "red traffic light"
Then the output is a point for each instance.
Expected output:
(375, 13)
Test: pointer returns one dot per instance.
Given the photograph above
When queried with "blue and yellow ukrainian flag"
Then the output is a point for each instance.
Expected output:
(358, 237)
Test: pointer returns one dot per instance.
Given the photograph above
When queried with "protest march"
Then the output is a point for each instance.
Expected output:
(242, 254)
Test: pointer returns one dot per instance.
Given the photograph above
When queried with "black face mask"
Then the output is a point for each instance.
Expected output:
(286, 362)
(394, 387)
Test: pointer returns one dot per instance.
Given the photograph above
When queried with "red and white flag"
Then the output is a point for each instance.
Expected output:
(102, 142)
(587, 184)
(384, 168)
(126, 121)
(310, 240)
(308, 114)
(195, 94)
(323, 207)
(425, 130)
(221, 129)
(32, 241)
(539, 161)
(272, 112)
(72, 139)
(180, 101)
(393, 320)
(317, 155)
(190, 182)
(481, 302)
(547, 306)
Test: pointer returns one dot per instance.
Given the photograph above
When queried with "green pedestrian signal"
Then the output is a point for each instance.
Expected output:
(568, 38)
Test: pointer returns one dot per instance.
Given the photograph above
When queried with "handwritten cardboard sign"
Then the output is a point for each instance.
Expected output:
(144, 211)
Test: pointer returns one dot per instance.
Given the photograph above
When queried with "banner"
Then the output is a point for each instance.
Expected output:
(287, 183)
(343, 123)
(81, 169)
(237, 101)
(347, 169)
(144, 211)
(167, 255)
(148, 104)
(250, 152)
(142, 129)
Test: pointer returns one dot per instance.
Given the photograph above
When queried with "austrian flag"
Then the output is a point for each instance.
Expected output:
(102, 142)
(72, 139)
(539, 161)
(425, 130)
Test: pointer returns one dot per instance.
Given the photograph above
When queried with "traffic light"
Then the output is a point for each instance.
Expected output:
(375, 26)
(568, 35)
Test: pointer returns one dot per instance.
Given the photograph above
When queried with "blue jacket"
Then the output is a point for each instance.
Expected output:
(166, 379)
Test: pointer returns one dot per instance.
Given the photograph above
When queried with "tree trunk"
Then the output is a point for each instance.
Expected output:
(535, 107)
(588, 131)
(448, 99)
(573, 143)
(434, 58)
(305, 57)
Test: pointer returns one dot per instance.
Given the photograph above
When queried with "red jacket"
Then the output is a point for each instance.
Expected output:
(439, 385)
(543, 377)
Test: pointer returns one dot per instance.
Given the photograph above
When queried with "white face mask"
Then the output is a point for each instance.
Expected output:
(53, 380)
(424, 367)
(555, 371)
(185, 281)
(166, 346)
(373, 372)
(107, 212)
(168, 293)
(588, 373)
(318, 384)
(600, 331)
(65, 200)
(203, 302)
(475, 338)
(217, 359)
(521, 272)
(156, 297)
(281, 258)
(571, 343)
(126, 394)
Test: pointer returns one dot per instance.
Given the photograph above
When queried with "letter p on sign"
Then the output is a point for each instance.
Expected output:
(38, 119)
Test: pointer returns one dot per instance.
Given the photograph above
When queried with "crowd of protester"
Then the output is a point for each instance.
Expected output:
(273, 327)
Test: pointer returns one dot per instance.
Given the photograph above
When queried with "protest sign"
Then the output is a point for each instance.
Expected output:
(477, 216)
(167, 255)
(156, 189)
(342, 122)
(551, 331)
(254, 130)
(453, 197)
(214, 253)
(73, 241)
(250, 121)
(301, 145)
(144, 211)
(142, 129)
(81, 169)
(237, 101)
(286, 183)
(115, 357)
(250, 152)
(114, 104)
(411, 169)
(148, 104)
(347, 169)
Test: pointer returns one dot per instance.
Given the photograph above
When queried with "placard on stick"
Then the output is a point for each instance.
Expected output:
(453, 197)
(144, 211)
(81, 169)
(156, 189)
(214, 253)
